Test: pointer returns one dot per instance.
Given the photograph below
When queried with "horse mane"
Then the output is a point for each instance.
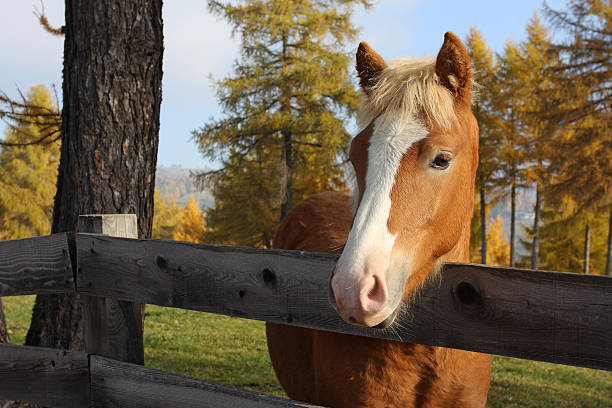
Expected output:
(407, 88)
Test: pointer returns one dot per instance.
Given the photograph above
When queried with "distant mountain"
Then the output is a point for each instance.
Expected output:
(176, 182)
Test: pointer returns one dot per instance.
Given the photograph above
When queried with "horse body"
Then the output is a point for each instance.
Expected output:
(415, 164)
(340, 370)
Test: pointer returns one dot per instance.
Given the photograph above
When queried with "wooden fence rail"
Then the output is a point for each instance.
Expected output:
(40, 265)
(60, 378)
(547, 316)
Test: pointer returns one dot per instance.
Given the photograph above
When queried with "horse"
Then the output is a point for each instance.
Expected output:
(415, 162)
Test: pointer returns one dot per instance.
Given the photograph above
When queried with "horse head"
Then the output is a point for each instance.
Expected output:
(415, 160)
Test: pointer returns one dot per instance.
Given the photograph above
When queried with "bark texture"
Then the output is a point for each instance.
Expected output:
(512, 222)
(609, 251)
(110, 125)
(587, 248)
(535, 248)
(287, 178)
(483, 227)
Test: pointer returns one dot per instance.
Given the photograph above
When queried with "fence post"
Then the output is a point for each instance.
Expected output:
(113, 328)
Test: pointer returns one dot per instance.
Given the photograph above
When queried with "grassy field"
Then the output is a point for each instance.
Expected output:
(233, 351)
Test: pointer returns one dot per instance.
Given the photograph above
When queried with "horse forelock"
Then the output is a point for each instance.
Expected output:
(406, 89)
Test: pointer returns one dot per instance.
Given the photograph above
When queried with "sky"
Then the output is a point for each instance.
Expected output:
(199, 48)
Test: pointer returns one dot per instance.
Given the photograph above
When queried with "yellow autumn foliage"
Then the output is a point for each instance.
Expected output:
(498, 247)
(191, 226)
(28, 173)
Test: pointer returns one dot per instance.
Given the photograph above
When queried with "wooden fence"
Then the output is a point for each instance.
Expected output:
(547, 316)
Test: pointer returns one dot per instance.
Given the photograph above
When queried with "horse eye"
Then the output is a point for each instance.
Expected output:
(442, 161)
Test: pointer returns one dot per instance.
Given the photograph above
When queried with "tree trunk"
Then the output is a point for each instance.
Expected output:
(483, 226)
(4, 337)
(287, 187)
(587, 248)
(110, 125)
(512, 222)
(609, 253)
(536, 230)
(287, 159)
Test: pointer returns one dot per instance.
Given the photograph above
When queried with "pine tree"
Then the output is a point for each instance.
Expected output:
(285, 107)
(191, 225)
(483, 63)
(28, 172)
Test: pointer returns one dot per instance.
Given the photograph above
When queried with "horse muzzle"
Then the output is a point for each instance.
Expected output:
(361, 301)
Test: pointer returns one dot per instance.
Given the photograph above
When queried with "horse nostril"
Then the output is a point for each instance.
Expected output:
(377, 293)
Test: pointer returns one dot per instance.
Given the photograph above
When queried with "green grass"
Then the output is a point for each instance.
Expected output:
(18, 311)
(233, 351)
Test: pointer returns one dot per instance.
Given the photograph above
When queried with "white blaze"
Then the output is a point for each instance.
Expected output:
(369, 242)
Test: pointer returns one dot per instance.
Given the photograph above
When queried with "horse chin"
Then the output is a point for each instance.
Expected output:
(389, 320)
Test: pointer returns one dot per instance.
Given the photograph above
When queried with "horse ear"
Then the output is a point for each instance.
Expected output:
(453, 67)
(369, 65)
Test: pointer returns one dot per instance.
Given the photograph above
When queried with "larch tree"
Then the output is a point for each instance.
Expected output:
(286, 108)
(540, 131)
(29, 154)
(511, 156)
(586, 105)
(109, 135)
(166, 216)
(191, 224)
(483, 63)
(498, 249)
(247, 200)
(562, 240)
(28, 167)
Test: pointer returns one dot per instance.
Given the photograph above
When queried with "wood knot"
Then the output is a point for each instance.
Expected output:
(467, 294)
(161, 261)
(241, 293)
(269, 277)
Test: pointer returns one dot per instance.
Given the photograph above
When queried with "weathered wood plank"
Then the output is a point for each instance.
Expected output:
(53, 378)
(39, 265)
(113, 328)
(547, 316)
(117, 384)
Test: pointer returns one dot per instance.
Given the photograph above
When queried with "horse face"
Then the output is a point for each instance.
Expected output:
(415, 173)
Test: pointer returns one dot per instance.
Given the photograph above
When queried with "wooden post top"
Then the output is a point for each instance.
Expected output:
(116, 225)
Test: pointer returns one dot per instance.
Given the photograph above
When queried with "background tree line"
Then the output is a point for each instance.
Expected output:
(544, 115)
(543, 111)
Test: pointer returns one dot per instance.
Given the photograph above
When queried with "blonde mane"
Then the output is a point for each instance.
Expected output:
(406, 89)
